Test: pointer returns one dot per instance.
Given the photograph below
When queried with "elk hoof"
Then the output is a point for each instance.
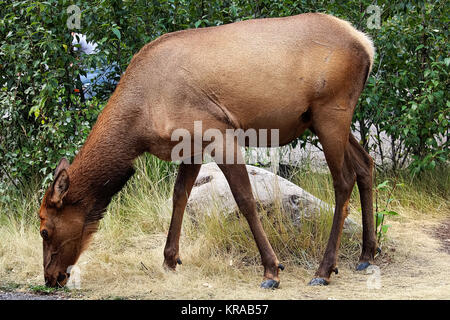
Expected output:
(318, 282)
(270, 284)
(362, 266)
(168, 267)
(179, 261)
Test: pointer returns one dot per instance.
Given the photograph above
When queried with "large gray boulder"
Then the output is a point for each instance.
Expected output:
(211, 193)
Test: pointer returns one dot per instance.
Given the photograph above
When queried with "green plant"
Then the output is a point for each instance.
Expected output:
(41, 289)
(42, 117)
(9, 286)
(380, 226)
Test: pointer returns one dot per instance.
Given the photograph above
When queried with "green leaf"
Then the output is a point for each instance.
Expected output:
(117, 33)
(198, 23)
(419, 47)
(388, 213)
(383, 185)
(380, 218)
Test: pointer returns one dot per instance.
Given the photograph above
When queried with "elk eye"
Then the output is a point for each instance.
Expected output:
(44, 234)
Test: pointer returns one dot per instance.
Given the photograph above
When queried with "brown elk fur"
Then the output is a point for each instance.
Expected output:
(291, 74)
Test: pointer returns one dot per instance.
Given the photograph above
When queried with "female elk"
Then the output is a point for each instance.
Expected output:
(290, 74)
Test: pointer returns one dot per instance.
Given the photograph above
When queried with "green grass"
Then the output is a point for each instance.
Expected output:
(9, 286)
(42, 289)
(428, 192)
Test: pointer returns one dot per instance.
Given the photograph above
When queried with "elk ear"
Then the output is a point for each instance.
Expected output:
(61, 184)
(63, 164)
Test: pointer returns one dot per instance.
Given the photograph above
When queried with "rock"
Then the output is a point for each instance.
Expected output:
(211, 192)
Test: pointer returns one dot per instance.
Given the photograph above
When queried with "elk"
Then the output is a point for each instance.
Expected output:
(291, 74)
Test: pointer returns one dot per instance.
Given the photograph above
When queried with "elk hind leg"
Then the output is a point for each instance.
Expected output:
(333, 131)
(363, 165)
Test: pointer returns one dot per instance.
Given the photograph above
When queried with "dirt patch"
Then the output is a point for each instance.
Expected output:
(442, 233)
(9, 295)
(16, 291)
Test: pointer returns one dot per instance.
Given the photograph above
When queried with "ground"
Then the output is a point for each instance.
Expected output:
(414, 264)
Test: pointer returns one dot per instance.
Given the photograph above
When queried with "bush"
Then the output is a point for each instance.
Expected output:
(43, 117)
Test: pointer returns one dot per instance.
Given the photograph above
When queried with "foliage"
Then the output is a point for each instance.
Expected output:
(406, 97)
(43, 117)
(44, 290)
(381, 228)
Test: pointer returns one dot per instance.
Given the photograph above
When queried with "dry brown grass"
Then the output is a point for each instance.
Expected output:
(220, 259)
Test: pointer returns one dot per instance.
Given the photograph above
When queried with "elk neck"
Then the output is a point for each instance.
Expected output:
(105, 162)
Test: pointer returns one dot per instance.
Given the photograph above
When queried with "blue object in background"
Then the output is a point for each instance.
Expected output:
(94, 77)
(99, 76)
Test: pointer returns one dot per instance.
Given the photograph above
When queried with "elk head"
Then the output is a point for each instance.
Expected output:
(63, 228)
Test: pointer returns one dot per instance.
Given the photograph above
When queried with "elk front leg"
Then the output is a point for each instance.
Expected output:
(187, 174)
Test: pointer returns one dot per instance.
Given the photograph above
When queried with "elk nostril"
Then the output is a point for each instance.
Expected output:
(48, 282)
(44, 234)
(61, 277)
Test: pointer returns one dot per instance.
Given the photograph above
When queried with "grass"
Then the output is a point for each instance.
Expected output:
(42, 289)
(9, 286)
(125, 257)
